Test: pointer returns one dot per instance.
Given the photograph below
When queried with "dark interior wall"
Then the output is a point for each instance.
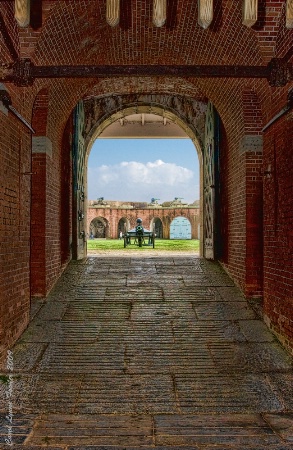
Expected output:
(278, 228)
(15, 200)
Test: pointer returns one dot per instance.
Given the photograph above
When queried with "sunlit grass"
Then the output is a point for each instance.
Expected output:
(191, 245)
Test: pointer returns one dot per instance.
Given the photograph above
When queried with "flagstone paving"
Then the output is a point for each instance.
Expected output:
(147, 352)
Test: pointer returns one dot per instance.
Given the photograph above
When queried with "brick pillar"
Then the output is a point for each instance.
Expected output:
(251, 148)
(41, 152)
(278, 229)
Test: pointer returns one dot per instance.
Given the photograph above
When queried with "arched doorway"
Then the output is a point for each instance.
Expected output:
(181, 113)
(99, 228)
(157, 224)
(106, 120)
(180, 228)
(123, 225)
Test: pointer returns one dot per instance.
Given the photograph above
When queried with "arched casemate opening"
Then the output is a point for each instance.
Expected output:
(123, 225)
(94, 115)
(99, 228)
(157, 225)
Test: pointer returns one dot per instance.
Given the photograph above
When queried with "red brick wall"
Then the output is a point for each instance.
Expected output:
(223, 207)
(113, 215)
(14, 207)
(228, 101)
(53, 249)
(52, 188)
(253, 122)
(254, 225)
(38, 225)
(278, 228)
(39, 198)
(14, 226)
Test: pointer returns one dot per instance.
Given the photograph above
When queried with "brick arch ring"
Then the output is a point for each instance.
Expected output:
(181, 113)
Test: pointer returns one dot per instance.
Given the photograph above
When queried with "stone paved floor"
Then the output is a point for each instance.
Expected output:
(148, 352)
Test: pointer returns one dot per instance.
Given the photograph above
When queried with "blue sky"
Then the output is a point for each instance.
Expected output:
(139, 169)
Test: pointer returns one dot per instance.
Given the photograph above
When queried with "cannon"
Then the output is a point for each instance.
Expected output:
(139, 236)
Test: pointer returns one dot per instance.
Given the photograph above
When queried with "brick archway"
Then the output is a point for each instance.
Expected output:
(157, 225)
(99, 227)
(185, 111)
(123, 225)
(181, 112)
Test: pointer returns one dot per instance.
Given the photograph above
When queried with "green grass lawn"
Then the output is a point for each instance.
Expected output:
(191, 245)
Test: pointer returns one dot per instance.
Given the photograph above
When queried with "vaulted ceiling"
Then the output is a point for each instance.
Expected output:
(70, 33)
(76, 30)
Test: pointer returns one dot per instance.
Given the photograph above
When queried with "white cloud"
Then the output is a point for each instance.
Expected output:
(136, 181)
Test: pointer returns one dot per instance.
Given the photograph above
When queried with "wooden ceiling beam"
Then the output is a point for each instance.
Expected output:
(23, 72)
